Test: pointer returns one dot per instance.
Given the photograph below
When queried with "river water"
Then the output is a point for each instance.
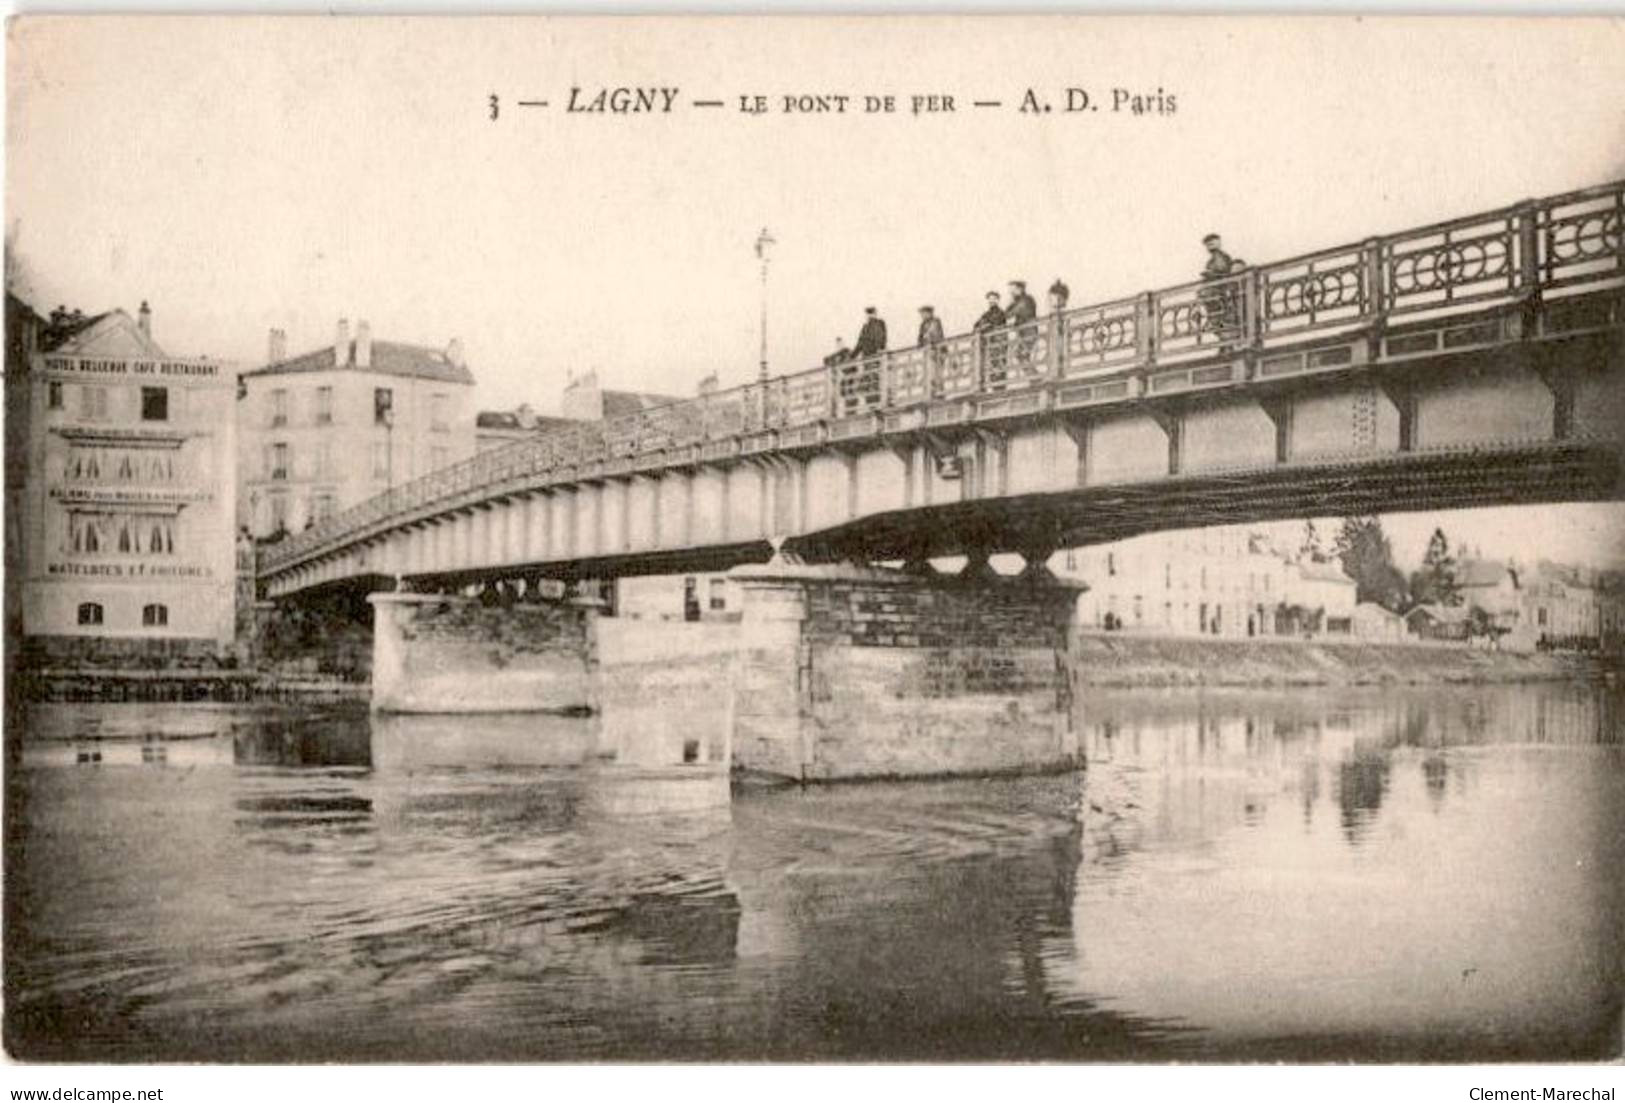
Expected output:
(1365, 874)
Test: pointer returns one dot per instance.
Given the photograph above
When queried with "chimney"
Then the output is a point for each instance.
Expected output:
(277, 348)
(144, 319)
(341, 344)
(454, 352)
(363, 344)
(708, 385)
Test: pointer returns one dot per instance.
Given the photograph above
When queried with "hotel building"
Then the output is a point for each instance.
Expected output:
(128, 546)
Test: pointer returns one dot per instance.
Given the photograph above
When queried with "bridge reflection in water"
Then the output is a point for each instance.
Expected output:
(1365, 873)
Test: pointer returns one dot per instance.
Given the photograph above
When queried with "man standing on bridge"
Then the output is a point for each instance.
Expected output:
(930, 343)
(991, 326)
(1220, 306)
(930, 328)
(1023, 311)
(993, 317)
(1022, 308)
(872, 337)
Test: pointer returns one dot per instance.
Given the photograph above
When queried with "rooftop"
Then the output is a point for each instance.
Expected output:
(520, 420)
(1323, 572)
(388, 358)
(1481, 572)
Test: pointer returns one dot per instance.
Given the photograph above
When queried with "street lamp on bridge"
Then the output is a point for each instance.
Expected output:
(763, 241)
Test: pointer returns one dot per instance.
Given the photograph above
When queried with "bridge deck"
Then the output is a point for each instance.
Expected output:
(1537, 285)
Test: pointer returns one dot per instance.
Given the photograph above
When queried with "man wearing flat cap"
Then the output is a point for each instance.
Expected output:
(1023, 312)
(1219, 262)
(1221, 306)
(1022, 308)
(930, 327)
(872, 337)
(993, 317)
(935, 356)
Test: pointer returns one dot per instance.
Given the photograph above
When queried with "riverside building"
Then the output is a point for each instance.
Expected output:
(129, 494)
(328, 429)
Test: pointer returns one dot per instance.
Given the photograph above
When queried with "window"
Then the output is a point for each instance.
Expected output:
(439, 456)
(159, 534)
(87, 533)
(279, 407)
(324, 405)
(324, 459)
(324, 506)
(383, 406)
(90, 613)
(93, 403)
(154, 403)
(154, 616)
(380, 459)
(279, 461)
(1167, 576)
(53, 395)
(279, 512)
(1111, 563)
(719, 594)
(437, 413)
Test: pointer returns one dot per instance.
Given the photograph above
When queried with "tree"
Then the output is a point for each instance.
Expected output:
(1363, 550)
(1436, 582)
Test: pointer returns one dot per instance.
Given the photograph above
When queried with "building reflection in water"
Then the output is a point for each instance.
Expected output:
(1395, 868)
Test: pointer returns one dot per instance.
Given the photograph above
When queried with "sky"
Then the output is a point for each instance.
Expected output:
(247, 173)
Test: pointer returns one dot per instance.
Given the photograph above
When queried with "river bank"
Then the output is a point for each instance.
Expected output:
(1126, 660)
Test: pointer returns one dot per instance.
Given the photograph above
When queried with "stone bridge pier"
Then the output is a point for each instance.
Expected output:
(847, 672)
(435, 653)
(833, 672)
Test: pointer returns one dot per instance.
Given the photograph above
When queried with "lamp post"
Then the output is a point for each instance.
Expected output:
(763, 241)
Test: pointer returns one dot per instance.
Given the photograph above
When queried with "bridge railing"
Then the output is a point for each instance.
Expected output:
(1557, 245)
(1578, 237)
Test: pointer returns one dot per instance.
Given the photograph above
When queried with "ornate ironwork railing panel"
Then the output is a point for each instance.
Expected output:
(621, 434)
(1099, 337)
(1016, 357)
(671, 426)
(1454, 264)
(1201, 317)
(1321, 291)
(909, 375)
(1582, 237)
(859, 386)
(806, 397)
(724, 414)
(959, 368)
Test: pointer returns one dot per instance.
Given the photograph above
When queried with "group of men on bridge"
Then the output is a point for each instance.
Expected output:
(998, 324)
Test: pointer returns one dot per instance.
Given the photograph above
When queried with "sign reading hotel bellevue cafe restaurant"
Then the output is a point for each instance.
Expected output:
(130, 490)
